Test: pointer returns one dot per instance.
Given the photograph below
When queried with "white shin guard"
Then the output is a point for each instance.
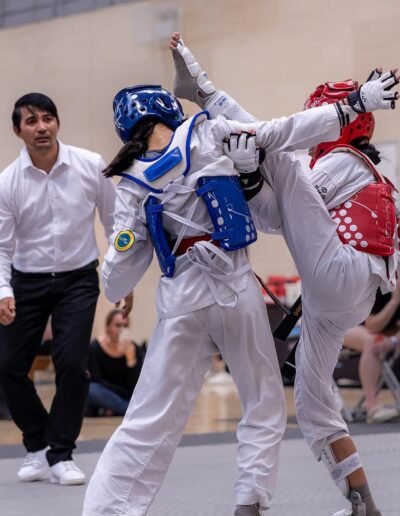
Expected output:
(339, 471)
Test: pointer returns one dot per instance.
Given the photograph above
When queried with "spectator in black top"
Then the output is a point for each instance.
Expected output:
(114, 366)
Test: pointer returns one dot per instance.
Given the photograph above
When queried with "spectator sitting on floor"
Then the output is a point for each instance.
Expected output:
(379, 335)
(114, 365)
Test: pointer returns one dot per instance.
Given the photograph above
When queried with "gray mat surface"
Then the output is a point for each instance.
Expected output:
(200, 483)
(96, 445)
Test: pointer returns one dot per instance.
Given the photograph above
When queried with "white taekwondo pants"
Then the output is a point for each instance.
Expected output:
(338, 292)
(134, 462)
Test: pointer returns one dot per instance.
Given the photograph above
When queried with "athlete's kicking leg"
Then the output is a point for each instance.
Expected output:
(338, 293)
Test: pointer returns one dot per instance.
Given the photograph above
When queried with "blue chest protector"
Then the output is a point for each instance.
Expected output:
(229, 212)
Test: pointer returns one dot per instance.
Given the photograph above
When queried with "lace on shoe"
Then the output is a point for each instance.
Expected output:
(31, 459)
(70, 465)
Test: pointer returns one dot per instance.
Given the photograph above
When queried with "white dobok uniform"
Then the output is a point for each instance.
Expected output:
(211, 304)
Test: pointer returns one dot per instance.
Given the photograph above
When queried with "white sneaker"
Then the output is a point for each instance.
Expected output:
(219, 378)
(66, 473)
(382, 414)
(34, 467)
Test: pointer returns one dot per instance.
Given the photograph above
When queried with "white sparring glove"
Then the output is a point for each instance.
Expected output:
(242, 150)
(374, 75)
(191, 82)
(375, 93)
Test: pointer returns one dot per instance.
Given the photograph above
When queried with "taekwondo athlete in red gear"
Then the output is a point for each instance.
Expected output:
(339, 281)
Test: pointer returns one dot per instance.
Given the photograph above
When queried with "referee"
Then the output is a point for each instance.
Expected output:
(48, 260)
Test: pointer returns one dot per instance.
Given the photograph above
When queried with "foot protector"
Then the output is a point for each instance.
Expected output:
(248, 510)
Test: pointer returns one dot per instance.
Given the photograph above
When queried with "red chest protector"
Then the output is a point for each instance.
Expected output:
(367, 221)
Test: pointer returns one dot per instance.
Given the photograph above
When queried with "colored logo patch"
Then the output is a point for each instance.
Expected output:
(124, 240)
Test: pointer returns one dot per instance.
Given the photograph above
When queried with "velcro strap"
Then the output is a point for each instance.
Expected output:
(346, 467)
(340, 470)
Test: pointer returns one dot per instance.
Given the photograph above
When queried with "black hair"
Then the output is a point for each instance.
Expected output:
(33, 100)
(113, 313)
(368, 149)
(136, 147)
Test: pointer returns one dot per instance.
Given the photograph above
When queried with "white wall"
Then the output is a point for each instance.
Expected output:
(269, 54)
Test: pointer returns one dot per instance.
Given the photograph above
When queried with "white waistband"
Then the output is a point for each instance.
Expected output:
(216, 267)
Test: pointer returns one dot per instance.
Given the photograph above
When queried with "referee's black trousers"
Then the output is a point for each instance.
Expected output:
(70, 298)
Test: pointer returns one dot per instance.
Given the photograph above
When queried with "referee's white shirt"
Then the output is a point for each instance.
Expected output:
(47, 219)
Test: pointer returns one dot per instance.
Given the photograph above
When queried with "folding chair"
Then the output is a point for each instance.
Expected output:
(347, 369)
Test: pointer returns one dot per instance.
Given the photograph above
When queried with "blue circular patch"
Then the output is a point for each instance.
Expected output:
(124, 240)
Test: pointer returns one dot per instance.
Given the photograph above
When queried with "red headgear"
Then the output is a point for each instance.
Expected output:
(328, 93)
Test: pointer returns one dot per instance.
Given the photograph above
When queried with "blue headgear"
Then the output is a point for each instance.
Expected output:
(145, 100)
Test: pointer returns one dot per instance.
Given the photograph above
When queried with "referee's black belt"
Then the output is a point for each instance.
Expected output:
(86, 268)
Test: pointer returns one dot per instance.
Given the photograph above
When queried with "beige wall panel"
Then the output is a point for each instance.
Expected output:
(380, 50)
(269, 54)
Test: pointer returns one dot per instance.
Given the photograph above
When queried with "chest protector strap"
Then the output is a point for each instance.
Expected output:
(230, 215)
(367, 220)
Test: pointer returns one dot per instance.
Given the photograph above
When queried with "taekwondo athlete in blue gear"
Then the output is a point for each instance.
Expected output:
(209, 292)
(223, 195)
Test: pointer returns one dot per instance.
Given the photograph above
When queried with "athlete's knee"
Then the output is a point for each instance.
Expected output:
(12, 366)
(369, 345)
(73, 369)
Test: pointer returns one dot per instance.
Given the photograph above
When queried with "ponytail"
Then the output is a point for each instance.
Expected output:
(136, 147)
(368, 149)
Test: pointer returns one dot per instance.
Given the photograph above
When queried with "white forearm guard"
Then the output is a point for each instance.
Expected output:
(223, 104)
